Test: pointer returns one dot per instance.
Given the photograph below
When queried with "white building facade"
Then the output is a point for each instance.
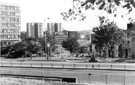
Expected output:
(10, 24)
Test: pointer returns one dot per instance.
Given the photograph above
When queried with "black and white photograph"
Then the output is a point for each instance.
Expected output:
(67, 42)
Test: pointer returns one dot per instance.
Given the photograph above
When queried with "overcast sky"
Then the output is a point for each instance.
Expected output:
(38, 10)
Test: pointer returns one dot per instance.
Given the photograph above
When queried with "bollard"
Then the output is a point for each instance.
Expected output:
(42, 73)
(31, 64)
(92, 66)
(86, 66)
(51, 64)
(1, 63)
(63, 65)
(41, 65)
(98, 66)
(124, 66)
(11, 63)
(21, 64)
(74, 65)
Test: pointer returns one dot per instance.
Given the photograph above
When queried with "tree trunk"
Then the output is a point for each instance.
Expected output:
(107, 52)
(47, 57)
(111, 52)
(69, 54)
(31, 57)
(50, 52)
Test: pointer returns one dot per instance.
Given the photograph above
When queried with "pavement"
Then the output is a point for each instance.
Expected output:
(44, 59)
(56, 59)
(70, 59)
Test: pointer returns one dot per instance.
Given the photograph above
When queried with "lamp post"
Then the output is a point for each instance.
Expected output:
(45, 33)
(48, 45)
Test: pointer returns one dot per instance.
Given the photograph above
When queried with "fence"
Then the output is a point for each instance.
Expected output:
(105, 78)
(71, 65)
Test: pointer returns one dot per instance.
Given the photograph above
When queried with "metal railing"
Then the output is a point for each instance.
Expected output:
(113, 78)
(105, 78)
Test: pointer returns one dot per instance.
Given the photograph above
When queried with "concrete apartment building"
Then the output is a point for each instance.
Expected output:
(35, 30)
(54, 27)
(10, 23)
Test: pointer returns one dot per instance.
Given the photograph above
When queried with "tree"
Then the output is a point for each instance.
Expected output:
(24, 48)
(87, 36)
(5, 50)
(23, 36)
(48, 39)
(113, 7)
(17, 50)
(51, 38)
(27, 46)
(71, 45)
(32, 46)
(107, 36)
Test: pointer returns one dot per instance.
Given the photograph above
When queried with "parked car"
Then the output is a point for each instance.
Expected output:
(34, 55)
(44, 55)
(4, 55)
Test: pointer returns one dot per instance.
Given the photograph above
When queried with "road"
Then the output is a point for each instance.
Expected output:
(104, 76)
(123, 73)
(53, 64)
(57, 70)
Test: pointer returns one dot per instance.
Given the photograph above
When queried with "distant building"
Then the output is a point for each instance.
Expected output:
(35, 30)
(85, 46)
(10, 24)
(59, 38)
(128, 45)
(72, 34)
(54, 27)
(65, 32)
(82, 36)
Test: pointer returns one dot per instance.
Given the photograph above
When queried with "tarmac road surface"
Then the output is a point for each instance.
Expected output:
(110, 76)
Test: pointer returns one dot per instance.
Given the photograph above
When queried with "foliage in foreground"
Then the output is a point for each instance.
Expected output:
(110, 7)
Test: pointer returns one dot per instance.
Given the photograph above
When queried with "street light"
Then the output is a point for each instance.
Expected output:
(45, 32)
(48, 45)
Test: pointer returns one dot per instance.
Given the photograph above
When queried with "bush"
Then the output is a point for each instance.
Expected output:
(88, 56)
(92, 59)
